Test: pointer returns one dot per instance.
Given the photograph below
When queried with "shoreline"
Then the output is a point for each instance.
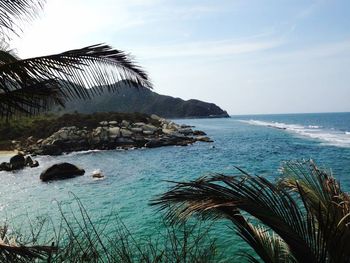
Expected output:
(7, 153)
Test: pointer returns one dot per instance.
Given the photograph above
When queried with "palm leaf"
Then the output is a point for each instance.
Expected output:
(221, 196)
(76, 74)
(11, 251)
(12, 12)
(325, 200)
(269, 246)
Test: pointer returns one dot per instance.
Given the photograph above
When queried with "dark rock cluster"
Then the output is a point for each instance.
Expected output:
(17, 162)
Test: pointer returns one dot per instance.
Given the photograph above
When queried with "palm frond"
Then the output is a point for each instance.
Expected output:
(32, 100)
(11, 251)
(13, 12)
(269, 246)
(222, 196)
(76, 73)
(323, 197)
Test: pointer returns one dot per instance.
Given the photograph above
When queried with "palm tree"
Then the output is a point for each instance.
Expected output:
(28, 86)
(302, 217)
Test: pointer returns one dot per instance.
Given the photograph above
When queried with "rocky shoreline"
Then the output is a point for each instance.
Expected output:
(108, 135)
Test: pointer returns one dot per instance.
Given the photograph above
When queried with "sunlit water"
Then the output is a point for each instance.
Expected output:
(257, 144)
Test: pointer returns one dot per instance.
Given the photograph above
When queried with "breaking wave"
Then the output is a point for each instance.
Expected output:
(327, 136)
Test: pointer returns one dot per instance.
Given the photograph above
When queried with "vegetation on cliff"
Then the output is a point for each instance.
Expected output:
(143, 100)
(44, 125)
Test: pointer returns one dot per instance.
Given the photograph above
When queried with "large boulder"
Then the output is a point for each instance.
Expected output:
(150, 127)
(17, 162)
(114, 132)
(113, 123)
(125, 124)
(126, 133)
(61, 171)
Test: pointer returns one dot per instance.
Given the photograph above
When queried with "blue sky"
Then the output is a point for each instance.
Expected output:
(248, 56)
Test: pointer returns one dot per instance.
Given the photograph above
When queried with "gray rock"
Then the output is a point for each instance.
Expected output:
(148, 132)
(97, 174)
(136, 129)
(126, 133)
(139, 124)
(113, 123)
(185, 131)
(125, 124)
(199, 133)
(63, 134)
(61, 171)
(149, 127)
(104, 123)
(124, 141)
(173, 133)
(203, 139)
(114, 132)
(155, 117)
(101, 133)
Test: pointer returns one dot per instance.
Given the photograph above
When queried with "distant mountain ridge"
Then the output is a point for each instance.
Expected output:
(143, 100)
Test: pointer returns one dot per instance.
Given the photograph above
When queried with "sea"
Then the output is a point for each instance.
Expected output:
(258, 144)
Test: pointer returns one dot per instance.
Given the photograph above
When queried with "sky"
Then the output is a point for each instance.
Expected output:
(247, 56)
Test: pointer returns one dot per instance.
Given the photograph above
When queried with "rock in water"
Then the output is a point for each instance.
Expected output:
(61, 171)
(17, 162)
(97, 174)
(4, 166)
(34, 164)
(203, 139)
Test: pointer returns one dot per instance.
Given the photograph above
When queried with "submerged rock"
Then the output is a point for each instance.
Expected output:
(61, 171)
(97, 174)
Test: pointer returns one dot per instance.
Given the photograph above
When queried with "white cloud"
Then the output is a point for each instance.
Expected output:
(205, 49)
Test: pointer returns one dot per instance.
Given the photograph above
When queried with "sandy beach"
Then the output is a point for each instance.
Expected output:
(7, 153)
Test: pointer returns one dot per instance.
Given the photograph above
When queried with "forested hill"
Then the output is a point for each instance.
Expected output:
(142, 100)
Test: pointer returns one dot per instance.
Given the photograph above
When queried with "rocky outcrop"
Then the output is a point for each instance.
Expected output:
(17, 162)
(124, 134)
(61, 171)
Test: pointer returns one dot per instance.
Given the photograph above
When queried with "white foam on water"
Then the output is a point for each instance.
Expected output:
(83, 152)
(330, 137)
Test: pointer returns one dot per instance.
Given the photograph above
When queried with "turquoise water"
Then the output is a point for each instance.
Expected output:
(257, 144)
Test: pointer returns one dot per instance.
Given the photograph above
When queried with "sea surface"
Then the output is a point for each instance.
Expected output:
(255, 143)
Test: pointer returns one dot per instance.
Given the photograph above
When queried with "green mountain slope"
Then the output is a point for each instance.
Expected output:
(145, 101)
